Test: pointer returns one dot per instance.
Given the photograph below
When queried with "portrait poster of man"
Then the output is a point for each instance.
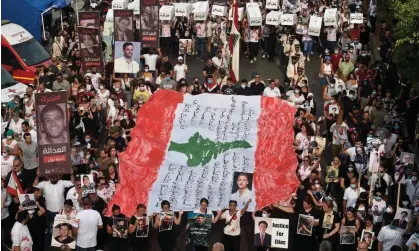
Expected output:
(142, 227)
(381, 133)
(53, 133)
(332, 174)
(27, 201)
(415, 205)
(407, 160)
(124, 25)
(368, 236)
(185, 46)
(89, 19)
(328, 221)
(242, 188)
(166, 221)
(399, 174)
(333, 110)
(120, 228)
(263, 232)
(401, 218)
(305, 225)
(63, 232)
(149, 23)
(87, 184)
(347, 235)
(90, 48)
(340, 135)
(199, 229)
(127, 57)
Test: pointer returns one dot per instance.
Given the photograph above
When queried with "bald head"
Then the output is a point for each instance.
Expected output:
(363, 245)
(218, 247)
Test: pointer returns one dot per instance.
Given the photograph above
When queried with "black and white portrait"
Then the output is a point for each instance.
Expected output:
(27, 201)
(123, 28)
(305, 225)
(149, 17)
(347, 235)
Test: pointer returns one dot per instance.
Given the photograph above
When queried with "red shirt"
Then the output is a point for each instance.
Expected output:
(335, 59)
(355, 33)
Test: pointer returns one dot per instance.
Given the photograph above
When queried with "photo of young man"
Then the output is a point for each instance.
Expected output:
(53, 125)
(124, 57)
(242, 188)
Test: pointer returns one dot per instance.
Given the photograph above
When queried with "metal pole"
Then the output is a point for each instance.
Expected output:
(61, 16)
(43, 25)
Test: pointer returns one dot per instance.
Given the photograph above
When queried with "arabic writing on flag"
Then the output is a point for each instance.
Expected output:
(185, 148)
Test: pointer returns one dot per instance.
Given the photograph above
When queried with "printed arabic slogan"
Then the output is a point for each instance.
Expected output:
(53, 134)
(213, 146)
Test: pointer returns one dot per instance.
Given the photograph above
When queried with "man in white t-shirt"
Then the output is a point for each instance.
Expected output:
(351, 194)
(232, 217)
(180, 69)
(388, 237)
(150, 59)
(89, 221)
(74, 193)
(21, 237)
(272, 90)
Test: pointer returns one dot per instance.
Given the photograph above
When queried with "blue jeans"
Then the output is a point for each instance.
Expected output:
(200, 46)
(307, 47)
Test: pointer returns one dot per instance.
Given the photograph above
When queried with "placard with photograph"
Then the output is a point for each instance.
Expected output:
(401, 218)
(89, 19)
(333, 110)
(107, 34)
(53, 133)
(340, 135)
(143, 226)
(149, 21)
(328, 221)
(27, 201)
(305, 225)
(185, 46)
(368, 236)
(87, 184)
(90, 49)
(263, 232)
(347, 235)
(242, 188)
(315, 26)
(399, 174)
(62, 233)
(127, 57)
(166, 221)
(332, 174)
(381, 133)
(119, 228)
(199, 229)
(356, 18)
(124, 25)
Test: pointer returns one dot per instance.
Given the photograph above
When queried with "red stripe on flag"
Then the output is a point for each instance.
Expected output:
(275, 159)
(13, 187)
(140, 163)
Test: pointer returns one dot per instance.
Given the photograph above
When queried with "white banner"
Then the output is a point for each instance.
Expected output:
(315, 26)
(254, 16)
(240, 10)
(252, 5)
(182, 9)
(167, 12)
(119, 4)
(218, 10)
(273, 18)
(272, 4)
(288, 19)
(228, 128)
(357, 18)
(200, 10)
(331, 17)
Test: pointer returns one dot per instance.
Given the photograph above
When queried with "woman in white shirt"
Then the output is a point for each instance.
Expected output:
(203, 209)
(296, 98)
(231, 238)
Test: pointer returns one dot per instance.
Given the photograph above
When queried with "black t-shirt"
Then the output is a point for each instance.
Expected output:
(210, 69)
(243, 91)
(138, 241)
(257, 89)
(228, 90)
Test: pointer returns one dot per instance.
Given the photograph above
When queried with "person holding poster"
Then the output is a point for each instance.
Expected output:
(347, 234)
(231, 238)
(330, 223)
(164, 223)
(138, 228)
(117, 230)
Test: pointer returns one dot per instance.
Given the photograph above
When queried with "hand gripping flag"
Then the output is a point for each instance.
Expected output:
(219, 147)
(13, 187)
(234, 44)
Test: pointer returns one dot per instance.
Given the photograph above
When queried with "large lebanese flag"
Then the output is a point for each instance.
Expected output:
(186, 147)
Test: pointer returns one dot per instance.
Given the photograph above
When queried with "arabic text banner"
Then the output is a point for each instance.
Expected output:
(53, 133)
(208, 146)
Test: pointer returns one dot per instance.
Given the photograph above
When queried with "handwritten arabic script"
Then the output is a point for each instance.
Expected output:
(216, 142)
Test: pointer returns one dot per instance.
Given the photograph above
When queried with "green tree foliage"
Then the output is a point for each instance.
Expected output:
(406, 54)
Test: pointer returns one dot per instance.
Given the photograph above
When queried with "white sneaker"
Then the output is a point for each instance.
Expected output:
(254, 59)
(263, 56)
(251, 61)
(308, 59)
